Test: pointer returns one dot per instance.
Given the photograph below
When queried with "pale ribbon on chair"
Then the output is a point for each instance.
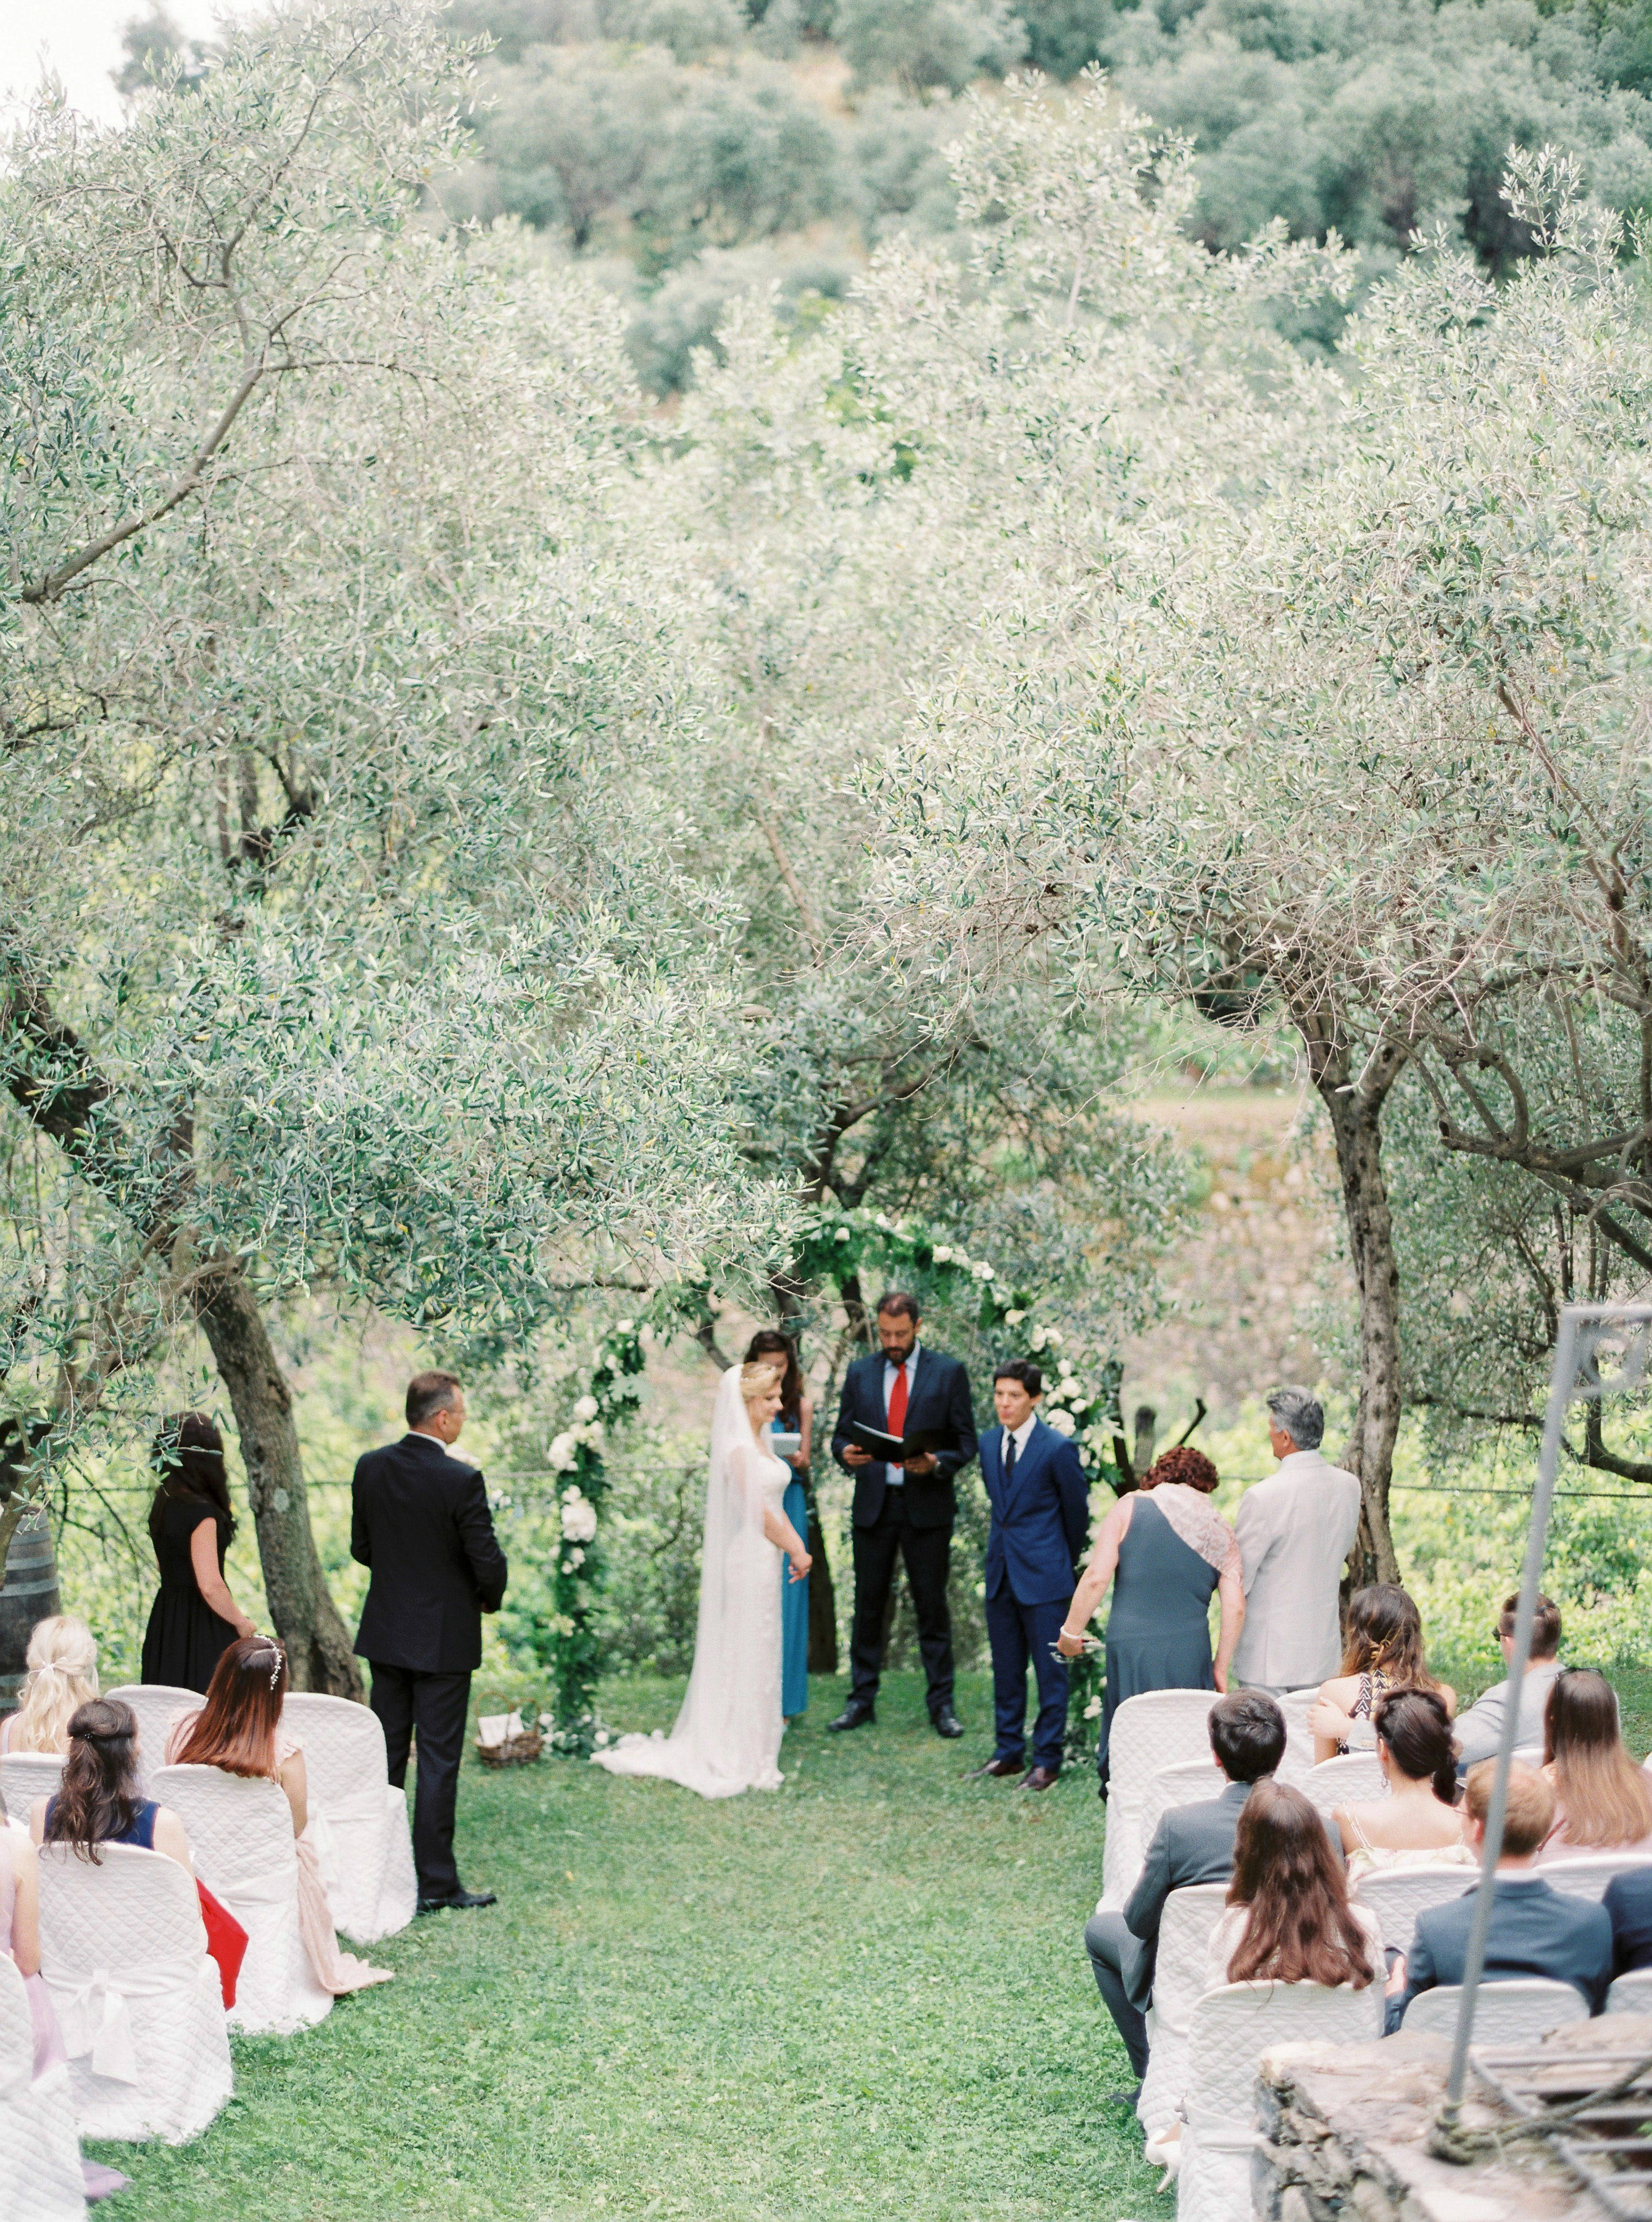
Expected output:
(94, 2016)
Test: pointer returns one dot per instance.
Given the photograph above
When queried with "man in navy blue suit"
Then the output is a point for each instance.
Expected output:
(1041, 1519)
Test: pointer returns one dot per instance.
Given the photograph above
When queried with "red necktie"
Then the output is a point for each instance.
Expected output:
(897, 1402)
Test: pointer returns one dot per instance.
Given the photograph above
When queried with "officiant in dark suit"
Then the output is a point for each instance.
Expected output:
(1040, 1522)
(419, 1518)
(904, 1513)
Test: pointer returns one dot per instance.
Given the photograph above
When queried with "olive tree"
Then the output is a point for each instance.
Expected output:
(323, 956)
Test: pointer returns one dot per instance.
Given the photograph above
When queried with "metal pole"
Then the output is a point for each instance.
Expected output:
(1575, 1320)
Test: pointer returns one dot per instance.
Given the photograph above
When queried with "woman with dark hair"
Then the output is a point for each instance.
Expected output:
(796, 1417)
(1383, 1652)
(239, 1730)
(1289, 1918)
(192, 1527)
(1417, 1823)
(98, 1802)
(1602, 1800)
(1165, 1549)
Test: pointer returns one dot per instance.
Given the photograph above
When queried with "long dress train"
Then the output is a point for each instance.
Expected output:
(727, 1737)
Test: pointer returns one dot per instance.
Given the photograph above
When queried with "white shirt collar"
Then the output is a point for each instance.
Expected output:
(1018, 1436)
(418, 1435)
(906, 1366)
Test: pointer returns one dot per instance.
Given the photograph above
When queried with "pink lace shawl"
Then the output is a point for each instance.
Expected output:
(1200, 1526)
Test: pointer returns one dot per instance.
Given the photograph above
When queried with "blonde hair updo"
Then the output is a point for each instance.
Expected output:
(758, 1378)
(62, 1662)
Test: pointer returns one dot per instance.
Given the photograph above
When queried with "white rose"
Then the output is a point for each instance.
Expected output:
(578, 1519)
(625, 1326)
(562, 1452)
(1066, 1386)
(601, 1736)
(1056, 1338)
(1092, 1710)
(585, 1408)
(941, 1254)
(982, 1271)
(1038, 1338)
(1014, 1319)
(841, 1235)
(576, 1558)
(1063, 1423)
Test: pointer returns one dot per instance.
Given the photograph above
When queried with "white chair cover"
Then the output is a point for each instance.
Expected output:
(358, 1823)
(1588, 1876)
(1297, 1762)
(1149, 1732)
(240, 1834)
(1504, 2014)
(157, 1706)
(25, 1776)
(1397, 1895)
(1355, 1781)
(1631, 1993)
(124, 1955)
(1185, 1927)
(1231, 2029)
(39, 2153)
(1189, 1782)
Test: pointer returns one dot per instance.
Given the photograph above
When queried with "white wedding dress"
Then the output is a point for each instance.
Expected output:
(727, 1738)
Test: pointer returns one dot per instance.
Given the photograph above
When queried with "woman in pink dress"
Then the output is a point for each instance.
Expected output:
(239, 1730)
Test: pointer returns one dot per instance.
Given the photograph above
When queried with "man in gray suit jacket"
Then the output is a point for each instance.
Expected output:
(1192, 1843)
(1480, 1730)
(1536, 1930)
(1295, 1531)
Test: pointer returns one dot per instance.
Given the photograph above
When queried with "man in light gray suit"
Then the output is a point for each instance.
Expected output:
(1480, 1730)
(1295, 1531)
(1192, 1843)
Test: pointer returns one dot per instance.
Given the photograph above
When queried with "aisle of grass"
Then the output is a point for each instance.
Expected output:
(864, 1995)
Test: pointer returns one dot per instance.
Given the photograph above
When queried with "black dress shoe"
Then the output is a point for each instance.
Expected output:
(1001, 1769)
(854, 1715)
(460, 1902)
(1042, 1778)
(947, 1723)
(1123, 2097)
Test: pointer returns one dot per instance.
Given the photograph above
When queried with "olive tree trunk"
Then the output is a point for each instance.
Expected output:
(1353, 1097)
(317, 1641)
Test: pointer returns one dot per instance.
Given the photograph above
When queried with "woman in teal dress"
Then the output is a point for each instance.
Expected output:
(1166, 1550)
(796, 1417)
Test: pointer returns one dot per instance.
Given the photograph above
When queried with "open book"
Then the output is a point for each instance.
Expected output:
(894, 1450)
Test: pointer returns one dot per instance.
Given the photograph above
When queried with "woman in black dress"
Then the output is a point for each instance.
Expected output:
(194, 1619)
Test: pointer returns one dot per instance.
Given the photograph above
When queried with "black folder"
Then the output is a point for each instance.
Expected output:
(894, 1450)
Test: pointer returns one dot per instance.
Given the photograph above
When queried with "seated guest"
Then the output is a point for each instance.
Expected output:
(1289, 1918)
(1627, 1902)
(1480, 1729)
(239, 1730)
(1192, 1843)
(1536, 1930)
(20, 1938)
(62, 1662)
(97, 1801)
(1416, 1822)
(1602, 1800)
(1384, 1653)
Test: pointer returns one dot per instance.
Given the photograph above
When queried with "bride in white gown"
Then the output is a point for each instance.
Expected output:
(728, 1735)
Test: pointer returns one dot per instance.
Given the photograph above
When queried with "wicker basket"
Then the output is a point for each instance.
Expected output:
(516, 1751)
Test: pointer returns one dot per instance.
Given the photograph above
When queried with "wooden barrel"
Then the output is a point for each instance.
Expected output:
(29, 1595)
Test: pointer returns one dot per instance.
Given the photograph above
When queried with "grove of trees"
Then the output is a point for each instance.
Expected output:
(476, 839)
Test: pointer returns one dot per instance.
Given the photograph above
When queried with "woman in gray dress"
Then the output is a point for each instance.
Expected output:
(1165, 1549)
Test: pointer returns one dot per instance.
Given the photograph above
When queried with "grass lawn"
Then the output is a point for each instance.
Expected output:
(866, 1994)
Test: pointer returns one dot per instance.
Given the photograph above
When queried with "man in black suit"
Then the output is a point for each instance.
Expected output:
(1192, 1843)
(903, 1512)
(1536, 1930)
(1629, 1908)
(419, 1518)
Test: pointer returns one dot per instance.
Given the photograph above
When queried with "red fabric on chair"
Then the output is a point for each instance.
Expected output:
(225, 1941)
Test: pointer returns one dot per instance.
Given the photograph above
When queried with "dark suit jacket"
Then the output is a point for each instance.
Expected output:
(1192, 1843)
(1629, 1908)
(1536, 1931)
(1039, 1523)
(419, 1517)
(939, 1397)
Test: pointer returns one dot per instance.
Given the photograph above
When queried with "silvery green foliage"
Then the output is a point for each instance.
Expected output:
(299, 832)
(928, 44)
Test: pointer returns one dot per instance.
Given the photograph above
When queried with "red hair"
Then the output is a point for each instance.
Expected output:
(1182, 1463)
(235, 1728)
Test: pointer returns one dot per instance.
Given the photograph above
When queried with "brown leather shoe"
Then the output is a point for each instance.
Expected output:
(1042, 1778)
(1000, 1767)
